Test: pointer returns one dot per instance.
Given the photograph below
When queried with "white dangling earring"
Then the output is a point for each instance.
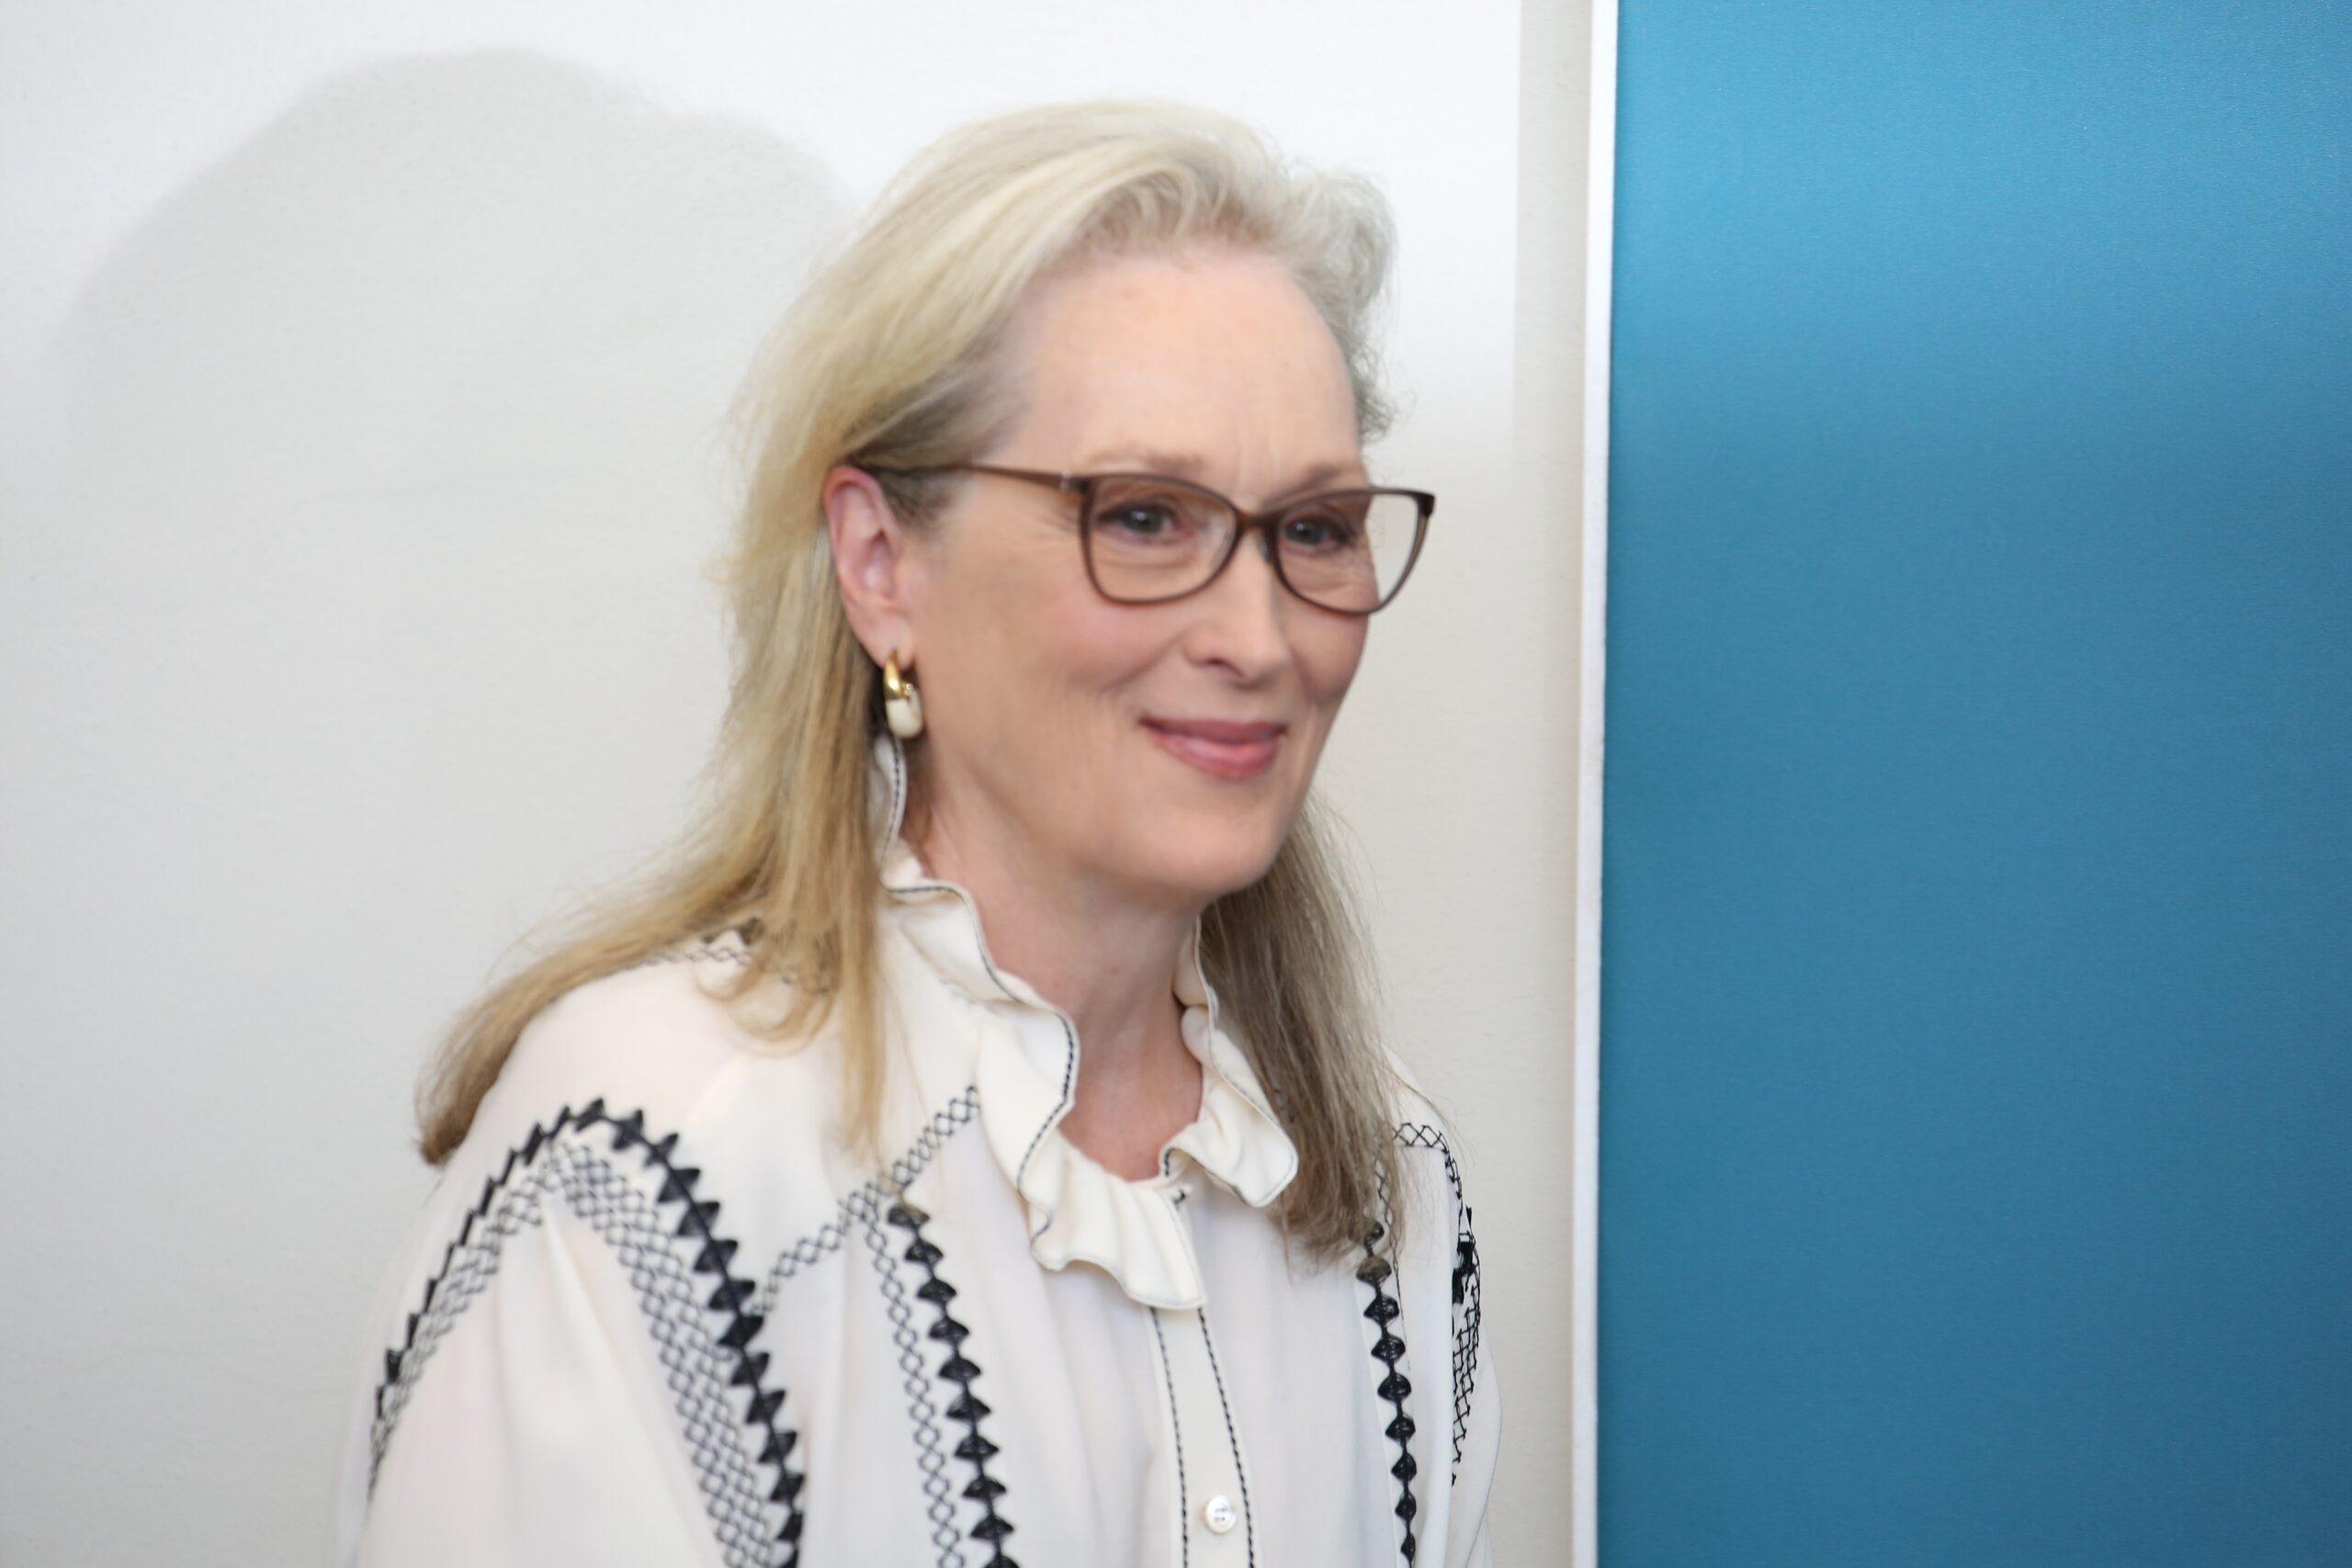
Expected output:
(901, 703)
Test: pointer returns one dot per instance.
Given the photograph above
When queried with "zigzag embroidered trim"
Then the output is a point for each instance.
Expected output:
(917, 1381)
(1388, 1350)
(809, 1249)
(692, 952)
(1419, 1134)
(958, 1369)
(704, 1345)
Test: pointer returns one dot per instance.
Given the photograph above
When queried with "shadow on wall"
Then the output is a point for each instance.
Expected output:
(355, 616)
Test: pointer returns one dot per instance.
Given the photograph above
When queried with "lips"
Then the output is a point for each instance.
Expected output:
(1223, 748)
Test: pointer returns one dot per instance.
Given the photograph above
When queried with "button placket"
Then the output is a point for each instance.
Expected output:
(1216, 1519)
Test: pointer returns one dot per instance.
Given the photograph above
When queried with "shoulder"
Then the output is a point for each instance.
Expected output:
(575, 1238)
(659, 1040)
(1417, 1118)
(646, 1091)
(1431, 1146)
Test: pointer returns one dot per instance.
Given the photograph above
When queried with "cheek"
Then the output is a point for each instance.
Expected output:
(1064, 644)
(1086, 646)
(1328, 656)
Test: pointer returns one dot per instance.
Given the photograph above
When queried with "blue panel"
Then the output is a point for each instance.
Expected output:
(1977, 996)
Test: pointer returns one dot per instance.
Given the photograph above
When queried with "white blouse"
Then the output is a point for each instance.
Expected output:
(653, 1312)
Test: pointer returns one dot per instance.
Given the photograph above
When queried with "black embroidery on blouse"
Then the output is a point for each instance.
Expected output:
(1249, 1520)
(706, 1346)
(695, 949)
(929, 1456)
(1388, 1350)
(944, 1122)
(958, 1369)
(1419, 1134)
(1183, 1494)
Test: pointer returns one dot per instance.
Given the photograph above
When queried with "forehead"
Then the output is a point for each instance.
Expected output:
(1216, 353)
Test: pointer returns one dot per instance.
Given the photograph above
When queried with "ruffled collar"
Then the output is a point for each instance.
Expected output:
(1025, 1063)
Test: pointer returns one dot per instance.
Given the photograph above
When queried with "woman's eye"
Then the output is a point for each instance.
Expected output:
(1145, 522)
(1320, 531)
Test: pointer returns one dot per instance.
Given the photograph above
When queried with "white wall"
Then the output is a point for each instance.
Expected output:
(360, 371)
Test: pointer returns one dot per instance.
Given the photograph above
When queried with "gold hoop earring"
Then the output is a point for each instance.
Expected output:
(901, 703)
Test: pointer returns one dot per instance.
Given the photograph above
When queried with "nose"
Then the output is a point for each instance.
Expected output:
(1245, 613)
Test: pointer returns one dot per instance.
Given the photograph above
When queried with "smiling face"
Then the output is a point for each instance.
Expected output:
(1047, 706)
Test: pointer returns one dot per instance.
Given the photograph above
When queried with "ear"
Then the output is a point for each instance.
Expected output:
(870, 560)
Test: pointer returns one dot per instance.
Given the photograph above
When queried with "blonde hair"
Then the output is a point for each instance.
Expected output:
(890, 356)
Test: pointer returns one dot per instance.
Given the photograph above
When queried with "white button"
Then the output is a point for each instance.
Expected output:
(1219, 1512)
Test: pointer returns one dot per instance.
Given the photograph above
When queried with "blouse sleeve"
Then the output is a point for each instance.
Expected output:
(516, 1413)
(1469, 1543)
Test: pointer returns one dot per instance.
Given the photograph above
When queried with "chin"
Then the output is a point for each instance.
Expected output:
(1210, 861)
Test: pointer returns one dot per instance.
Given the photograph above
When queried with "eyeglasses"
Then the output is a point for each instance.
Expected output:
(1147, 539)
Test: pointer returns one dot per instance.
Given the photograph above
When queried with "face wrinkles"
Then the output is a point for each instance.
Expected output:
(1040, 687)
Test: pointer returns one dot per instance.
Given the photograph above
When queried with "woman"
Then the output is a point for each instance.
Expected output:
(785, 1219)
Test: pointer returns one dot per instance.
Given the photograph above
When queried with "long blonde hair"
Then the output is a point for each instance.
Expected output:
(889, 356)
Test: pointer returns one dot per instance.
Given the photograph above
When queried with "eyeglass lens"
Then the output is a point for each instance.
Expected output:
(1154, 539)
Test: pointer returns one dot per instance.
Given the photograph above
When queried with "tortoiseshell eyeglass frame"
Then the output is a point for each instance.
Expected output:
(1244, 524)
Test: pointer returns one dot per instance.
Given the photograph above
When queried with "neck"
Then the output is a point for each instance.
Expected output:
(1103, 956)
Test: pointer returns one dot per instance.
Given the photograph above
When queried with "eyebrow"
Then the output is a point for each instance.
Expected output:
(1192, 466)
